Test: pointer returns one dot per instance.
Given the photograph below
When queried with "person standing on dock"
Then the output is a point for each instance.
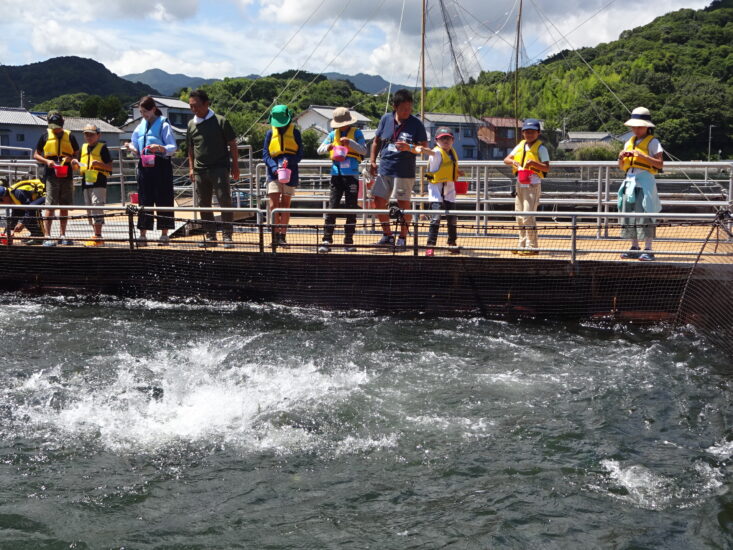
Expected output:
(153, 141)
(212, 157)
(56, 149)
(346, 146)
(442, 174)
(530, 162)
(282, 151)
(398, 134)
(641, 159)
(95, 166)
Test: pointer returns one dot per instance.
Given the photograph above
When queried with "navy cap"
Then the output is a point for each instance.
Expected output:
(531, 124)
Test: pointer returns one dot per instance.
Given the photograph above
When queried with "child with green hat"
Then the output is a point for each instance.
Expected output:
(281, 152)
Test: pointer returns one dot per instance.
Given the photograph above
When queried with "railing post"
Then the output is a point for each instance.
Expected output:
(131, 228)
(574, 241)
(416, 226)
(606, 198)
(261, 229)
(599, 207)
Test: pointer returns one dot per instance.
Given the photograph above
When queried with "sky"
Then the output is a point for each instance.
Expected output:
(216, 39)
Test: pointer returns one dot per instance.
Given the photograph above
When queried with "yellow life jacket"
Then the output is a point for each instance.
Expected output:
(352, 136)
(56, 148)
(36, 187)
(88, 157)
(448, 170)
(532, 154)
(633, 162)
(283, 143)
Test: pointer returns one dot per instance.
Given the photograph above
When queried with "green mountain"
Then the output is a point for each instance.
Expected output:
(166, 83)
(680, 66)
(64, 75)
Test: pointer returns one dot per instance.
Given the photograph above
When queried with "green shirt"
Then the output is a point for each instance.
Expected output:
(209, 142)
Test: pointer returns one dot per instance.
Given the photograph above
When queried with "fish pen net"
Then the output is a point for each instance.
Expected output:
(576, 271)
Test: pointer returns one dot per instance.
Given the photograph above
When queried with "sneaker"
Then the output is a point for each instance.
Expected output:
(632, 254)
(454, 249)
(64, 240)
(516, 251)
(142, 242)
(282, 242)
(528, 252)
(646, 256)
(430, 252)
(386, 240)
(33, 242)
(325, 247)
(49, 242)
(401, 244)
(164, 240)
(349, 247)
(206, 243)
(94, 241)
(228, 243)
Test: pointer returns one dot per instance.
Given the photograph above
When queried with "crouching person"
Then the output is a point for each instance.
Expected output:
(442, 174)
(27, 192)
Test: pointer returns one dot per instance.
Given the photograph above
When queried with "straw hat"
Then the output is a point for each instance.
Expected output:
(342, 117)
(640, 117)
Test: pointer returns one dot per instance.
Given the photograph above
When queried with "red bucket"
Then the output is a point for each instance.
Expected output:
(61, 171)
(133, 198)
(524, 176)
(461, 187)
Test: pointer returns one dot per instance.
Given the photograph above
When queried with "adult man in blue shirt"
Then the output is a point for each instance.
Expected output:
(397, 136)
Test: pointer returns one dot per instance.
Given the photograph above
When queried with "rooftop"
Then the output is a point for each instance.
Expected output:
(20, 117)
(502, 121)
(76, 124)
(169, 102)
(327, 111)
(589, 136)
(451, 118)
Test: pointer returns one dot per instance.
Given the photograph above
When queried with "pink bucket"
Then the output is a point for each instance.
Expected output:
(340, 152)
(461, 187)
(148, 160)
(283, 175)
(61, 171)
(524, 176)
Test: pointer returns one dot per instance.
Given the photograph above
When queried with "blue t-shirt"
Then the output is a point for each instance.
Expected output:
(393, 162)
(349, 167)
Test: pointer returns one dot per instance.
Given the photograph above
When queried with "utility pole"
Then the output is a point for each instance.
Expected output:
(710, 138)
(22, 93)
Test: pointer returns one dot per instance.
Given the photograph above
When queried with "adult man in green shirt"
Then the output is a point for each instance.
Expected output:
(212, 155)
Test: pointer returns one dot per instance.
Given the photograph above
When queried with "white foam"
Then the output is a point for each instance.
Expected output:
(645, 488)
(722, 450)
(207, 395)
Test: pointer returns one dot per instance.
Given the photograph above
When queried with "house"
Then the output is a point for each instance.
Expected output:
(498, 136)
(19, 128)
(575, 140)
(318, 117)
(465, 132)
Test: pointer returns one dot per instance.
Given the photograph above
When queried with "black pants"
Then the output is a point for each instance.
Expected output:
(208, 182)
(435, 223)
(155, 188)
(29, 218)
(347, 187)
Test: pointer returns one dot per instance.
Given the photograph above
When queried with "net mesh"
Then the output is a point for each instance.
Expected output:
(576, 272)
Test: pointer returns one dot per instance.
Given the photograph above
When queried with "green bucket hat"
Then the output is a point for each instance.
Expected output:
(280, 116)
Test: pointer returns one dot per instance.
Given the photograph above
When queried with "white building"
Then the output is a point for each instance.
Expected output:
(176, 111)
(318, 117)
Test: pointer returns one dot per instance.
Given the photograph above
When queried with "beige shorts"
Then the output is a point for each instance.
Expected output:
(284, 188)
(95, 196)
(393, 187)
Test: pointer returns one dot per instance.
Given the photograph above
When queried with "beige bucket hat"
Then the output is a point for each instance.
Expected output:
(342, 117)
(640, 117)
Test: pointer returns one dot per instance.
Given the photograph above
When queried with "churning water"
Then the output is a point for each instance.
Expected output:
(140, 424)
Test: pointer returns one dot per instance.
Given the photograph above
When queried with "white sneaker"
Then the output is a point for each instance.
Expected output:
(324, 248)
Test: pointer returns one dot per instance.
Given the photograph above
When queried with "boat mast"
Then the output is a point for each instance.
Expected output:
(516, 73)
(422, 63)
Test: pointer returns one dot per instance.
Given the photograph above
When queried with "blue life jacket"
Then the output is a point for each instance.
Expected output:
(150, 136)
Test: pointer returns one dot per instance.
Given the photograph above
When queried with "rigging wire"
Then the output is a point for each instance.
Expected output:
(282, 48)
(399, 33)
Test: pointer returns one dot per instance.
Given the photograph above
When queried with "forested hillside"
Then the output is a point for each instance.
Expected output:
(680, 66)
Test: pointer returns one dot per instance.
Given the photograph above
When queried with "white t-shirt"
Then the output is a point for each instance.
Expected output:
(543, 154)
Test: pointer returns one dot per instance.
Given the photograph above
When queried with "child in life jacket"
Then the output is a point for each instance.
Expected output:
(530, 162)
(442, 175)
(641, 158)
